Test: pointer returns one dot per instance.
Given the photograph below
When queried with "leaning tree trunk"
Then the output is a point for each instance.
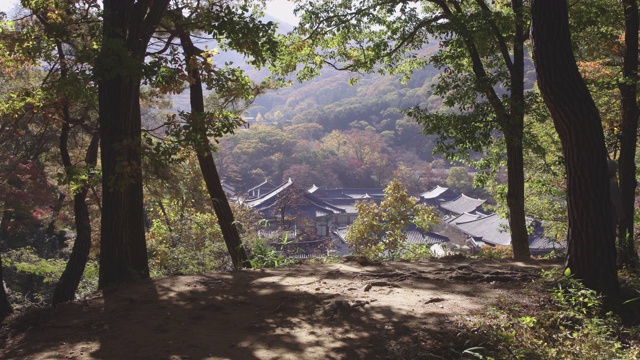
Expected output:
(5, 306)
(203, 149)
(68, 284)
(127, 29)
(70, 279)
(629, 135)
(591, 240)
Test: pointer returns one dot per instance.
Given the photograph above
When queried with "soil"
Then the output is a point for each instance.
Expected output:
(307, 311)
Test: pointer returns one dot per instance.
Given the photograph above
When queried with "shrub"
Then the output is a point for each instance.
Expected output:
(31, 279)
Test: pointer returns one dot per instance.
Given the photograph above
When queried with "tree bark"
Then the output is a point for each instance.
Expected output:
(127, 28)
(629, 135)
(70, 279)
(513, 134)
(5, 306)
(511, 122)
(203, 149)
(7, 215)
(591, 254)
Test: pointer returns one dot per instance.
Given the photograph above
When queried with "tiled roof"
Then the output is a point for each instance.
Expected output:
(543, 244)
(346, 193)
(464, 217)
(462, 204)
(341, 232)
(429, 238)
(538, 243)
(265, 184)
(437, 192)
(261, 189)
(494, 230)
(270, 200)
(271, 194)
(414, 236)
(230, 190)
(490, 229)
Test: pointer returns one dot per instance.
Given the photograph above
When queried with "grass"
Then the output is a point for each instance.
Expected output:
(553, 318)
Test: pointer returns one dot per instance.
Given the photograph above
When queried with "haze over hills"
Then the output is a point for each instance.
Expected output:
(323, 105)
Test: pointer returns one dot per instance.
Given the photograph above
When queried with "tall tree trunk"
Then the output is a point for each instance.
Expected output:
(511, 122)
(591, 255)
(513, 133)
(207, 165)
(515, 194)
(629, 134)
(127, 28)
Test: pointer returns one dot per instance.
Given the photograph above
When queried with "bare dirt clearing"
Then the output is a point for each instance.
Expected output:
(308, 311)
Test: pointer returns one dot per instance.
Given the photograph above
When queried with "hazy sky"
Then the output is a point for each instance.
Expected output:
(280, 9)
(6, 5)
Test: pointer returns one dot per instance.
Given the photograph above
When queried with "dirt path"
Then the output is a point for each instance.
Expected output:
(312, 311)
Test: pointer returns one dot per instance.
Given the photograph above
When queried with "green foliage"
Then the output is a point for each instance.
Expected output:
(186, 242)
(416, 252)
(26, 261)
(31, 278)
(380, 230)
(264, 256)
(565, 321)
(459, 180)
(495, 252)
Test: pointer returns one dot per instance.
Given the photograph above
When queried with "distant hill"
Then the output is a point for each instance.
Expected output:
(181, 101)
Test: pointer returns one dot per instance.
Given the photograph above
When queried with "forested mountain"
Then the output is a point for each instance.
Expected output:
(302, 116)
(321, 127)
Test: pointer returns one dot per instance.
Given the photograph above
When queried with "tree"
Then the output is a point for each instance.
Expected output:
(127, 27)
(459, 179)
(198, 119)
(608, 60)
(381, 230)
(629, 132)
(483, 53)
(247, 157)
(27, 136)
(363, 154)
(591, 240)
(71, 102)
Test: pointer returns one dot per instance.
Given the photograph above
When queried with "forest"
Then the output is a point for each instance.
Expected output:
(136, 136)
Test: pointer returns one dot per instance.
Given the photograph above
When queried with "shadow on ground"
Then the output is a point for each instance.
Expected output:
(320, 311)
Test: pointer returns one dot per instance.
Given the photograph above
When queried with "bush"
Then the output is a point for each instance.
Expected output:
(264, 256)
(496, 252)
(31, 279)
(193, 244)
(562, 320)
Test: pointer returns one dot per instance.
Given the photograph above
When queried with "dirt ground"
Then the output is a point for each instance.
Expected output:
(307, 311)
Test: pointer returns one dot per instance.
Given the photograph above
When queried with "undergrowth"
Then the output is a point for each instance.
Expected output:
(560, 319)
(553, 318)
